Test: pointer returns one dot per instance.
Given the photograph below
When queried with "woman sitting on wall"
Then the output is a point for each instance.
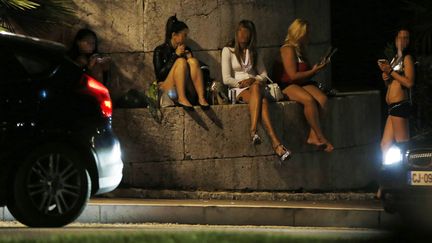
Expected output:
(296, 81)
(243, 70)
(85, 53)
(176, 68)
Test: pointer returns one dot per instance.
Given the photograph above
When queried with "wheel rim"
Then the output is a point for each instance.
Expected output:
(54, 184)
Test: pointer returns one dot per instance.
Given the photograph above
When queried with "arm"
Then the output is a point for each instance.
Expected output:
(290, 65)
(227, 69)
(162, 69)
(408, 79)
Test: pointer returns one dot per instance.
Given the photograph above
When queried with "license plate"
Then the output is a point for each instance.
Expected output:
(420, 178)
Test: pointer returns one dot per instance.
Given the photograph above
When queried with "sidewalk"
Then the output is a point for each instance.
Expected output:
(359, 214)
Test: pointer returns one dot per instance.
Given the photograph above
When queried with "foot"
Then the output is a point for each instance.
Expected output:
(320, 145)
(329, 147)
(187, 107)
(203, 102)
(256, 139)
(184, 103)
(282, 152)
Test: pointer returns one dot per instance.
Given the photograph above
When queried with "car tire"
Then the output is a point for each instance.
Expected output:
(51, 187)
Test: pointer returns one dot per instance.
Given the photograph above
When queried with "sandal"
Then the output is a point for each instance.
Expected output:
(286, 155)
(256, 139)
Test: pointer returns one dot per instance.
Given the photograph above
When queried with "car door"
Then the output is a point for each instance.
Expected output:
(17, 98)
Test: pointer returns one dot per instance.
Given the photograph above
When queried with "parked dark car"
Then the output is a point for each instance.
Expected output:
(406, 179)
(57, 147)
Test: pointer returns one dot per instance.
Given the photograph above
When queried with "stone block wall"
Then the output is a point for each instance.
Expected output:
(211, 150)
(129, 30)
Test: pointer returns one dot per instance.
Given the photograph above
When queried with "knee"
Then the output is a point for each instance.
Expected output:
(255, 88)
(193, 62)
(323, 100)
(307, 100)
(180, 62)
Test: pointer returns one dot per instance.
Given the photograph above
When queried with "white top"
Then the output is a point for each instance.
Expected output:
(233, 72)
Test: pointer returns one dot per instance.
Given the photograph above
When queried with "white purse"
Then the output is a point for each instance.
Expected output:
(273, 91)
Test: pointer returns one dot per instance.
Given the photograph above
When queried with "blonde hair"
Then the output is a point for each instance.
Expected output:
(296, 31)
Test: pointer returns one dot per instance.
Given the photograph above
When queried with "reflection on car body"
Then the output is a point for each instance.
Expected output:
(57, 143)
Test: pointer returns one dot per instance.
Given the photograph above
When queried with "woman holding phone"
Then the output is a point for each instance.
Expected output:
(84, 52)
(176, 68)
(296, 81)
(398, 75)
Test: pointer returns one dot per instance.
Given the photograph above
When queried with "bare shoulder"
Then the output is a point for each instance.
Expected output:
(409, 59)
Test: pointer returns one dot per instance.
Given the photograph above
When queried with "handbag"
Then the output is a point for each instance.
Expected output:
(273, 91)
(218, 93)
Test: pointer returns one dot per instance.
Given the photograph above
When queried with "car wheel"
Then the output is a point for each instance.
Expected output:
(51, 188)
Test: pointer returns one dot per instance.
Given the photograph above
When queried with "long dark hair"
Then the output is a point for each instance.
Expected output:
(173, 25)
(81, 34)
(252, 42)
(408, 50)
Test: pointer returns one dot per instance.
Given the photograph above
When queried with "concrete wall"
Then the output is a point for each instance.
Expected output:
(129, 30)
(212, 150)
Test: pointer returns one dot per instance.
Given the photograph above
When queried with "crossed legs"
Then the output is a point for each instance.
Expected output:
(258, 108)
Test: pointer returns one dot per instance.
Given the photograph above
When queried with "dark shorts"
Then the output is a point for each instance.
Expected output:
(400, 109)
(283, 85)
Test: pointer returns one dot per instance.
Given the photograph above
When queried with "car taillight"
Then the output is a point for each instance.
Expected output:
(101, 93)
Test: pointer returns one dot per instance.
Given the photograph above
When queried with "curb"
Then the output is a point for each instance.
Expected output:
(220, 212)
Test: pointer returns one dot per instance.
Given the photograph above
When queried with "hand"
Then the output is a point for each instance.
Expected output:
(180, 50)
(385, 67)
(385, 76)
(318, 67)
(188, 54)
(93, 60)
(246, 83)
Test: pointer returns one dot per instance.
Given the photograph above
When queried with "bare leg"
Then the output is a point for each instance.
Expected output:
(253, 97)
(322, 99)
(386, 141)
(177, 78)
(388, 136)
(265, 118)
(258, 106)
(296, 93)
(197, 79)
(400, 128)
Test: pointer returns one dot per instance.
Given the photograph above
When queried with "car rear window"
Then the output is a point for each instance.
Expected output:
(11, 69)
(15, 66)
(36, 66)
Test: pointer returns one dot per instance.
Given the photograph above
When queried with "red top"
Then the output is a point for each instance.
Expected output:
(282, 76)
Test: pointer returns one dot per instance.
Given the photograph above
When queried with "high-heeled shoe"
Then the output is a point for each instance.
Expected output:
(286, 154)
(256, 139)
(186, 107)
(205, 107)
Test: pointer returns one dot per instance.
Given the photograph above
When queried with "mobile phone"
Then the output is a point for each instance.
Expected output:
(327, 57)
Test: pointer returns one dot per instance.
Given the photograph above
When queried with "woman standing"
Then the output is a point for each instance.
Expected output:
(398, 76)
(243, 70)
(175, 67)
(85, 53)
(296, 81)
